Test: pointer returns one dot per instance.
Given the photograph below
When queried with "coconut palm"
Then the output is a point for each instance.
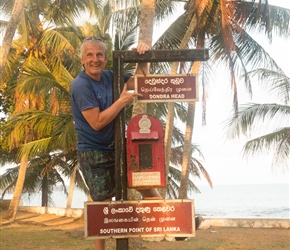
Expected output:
(49, 118)
(32, 48)
(41, 176)
(267, 124)
(224, 27)
(16, 13)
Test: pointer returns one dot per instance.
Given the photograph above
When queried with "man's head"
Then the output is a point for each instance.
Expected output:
(93, 56)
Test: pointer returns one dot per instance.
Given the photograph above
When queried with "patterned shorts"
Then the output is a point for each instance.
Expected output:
(98, 169)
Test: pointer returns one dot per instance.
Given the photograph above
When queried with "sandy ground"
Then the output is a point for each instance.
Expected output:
(46, 231)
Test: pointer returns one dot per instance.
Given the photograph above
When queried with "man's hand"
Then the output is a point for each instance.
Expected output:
(128, 97)
(142, 48)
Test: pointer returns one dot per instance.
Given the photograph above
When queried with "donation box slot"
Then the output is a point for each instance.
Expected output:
(145, 156)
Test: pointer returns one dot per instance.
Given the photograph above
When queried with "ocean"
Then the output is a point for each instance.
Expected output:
(223, 201)
(243, 201)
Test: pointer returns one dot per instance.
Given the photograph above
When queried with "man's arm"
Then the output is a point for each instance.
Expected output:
(99, 120)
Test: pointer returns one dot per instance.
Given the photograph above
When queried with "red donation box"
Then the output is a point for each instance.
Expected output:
(145, 152)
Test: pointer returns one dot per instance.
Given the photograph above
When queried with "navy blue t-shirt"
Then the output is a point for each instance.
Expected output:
(88, 93)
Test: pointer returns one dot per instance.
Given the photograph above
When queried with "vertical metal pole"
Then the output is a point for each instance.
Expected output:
(120, 141)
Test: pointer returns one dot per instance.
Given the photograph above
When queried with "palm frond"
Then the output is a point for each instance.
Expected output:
(35, 147)
(62, 11)
(8, 180)
(258, 144)
(282, 149)
(37, 78)
(253, 117)
(6, 7)
(276, 81)
(164, 9)
(52, 131)
(172, 37)
(279, 141)
(265, 18)
(58, 41)
(201, 171)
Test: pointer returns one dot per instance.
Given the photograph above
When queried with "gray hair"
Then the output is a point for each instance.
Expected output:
(96, 41)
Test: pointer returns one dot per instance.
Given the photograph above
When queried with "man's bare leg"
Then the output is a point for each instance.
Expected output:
(150, 194)
(100, 244)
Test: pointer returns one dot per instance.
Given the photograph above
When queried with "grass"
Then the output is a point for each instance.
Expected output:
(21, 236)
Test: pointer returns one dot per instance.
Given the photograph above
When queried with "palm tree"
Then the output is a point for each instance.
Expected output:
(267, 123)
(9, 34)
(4, 51)
(43, 174)
(51, 121)
(222, 26)
(32, 51)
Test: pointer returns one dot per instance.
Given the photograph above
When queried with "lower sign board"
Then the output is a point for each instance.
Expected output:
(166, 88)
(148, 218)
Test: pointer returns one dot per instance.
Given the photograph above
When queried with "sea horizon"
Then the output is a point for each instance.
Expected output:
(244, 201)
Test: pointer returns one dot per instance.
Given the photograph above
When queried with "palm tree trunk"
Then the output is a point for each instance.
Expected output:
(145, 36)
(9, 34)
(13, 207)
(167, 144)
(168, 134)
(187, 151)
(44, 189)
(170, 118)
(71, 188)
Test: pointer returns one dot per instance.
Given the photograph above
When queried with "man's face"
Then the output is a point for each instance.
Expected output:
(93, 60)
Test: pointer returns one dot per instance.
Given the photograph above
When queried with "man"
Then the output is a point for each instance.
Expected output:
(94, 112)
